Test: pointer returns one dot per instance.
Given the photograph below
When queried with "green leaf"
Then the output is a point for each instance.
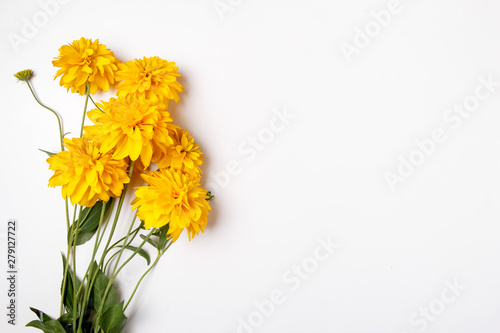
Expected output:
(90, 222)
(141, 252)
(100, 284)
(66, 318)
(47, 152)
(113, 320)
(66, 321)
(70, 287)
(149, 241)
(163, 240)
(209, 195)
(51, 326)
(42, 316)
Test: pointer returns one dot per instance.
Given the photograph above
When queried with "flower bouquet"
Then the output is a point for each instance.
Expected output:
(131, 133)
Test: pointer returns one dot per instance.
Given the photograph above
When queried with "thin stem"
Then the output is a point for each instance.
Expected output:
(117, 214)
(160, 253)
(67, 215)
(134, 233)
(124, 243)
(95, 104)
(90, 280)
(106, 224)
(75, 294)
(114, 246)
(112, 278)
(85, 108)
(140, 280)
(133, 254)
(65, 277)
(55, 113)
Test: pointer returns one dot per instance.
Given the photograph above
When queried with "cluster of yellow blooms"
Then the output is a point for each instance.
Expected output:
(134, 126)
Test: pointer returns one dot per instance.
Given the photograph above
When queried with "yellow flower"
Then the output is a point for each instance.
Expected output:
(85, 61)
(131, 126)
(152, 78)
(183, 154)
(174, 197)
(86, 174)
(24, 75)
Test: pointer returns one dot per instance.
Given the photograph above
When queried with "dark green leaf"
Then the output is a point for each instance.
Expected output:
(66, 318)
(100, 284)
(51, 326)
(93, 271)
(42, 316)
(90, 222)
(113, 320)
(70, 287)
(163, 240)
(149, 241)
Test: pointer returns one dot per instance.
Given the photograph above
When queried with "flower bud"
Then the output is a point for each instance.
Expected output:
(24, 75)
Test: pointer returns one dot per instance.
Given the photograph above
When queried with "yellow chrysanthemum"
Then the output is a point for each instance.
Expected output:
(174, 197)
(152, 78)
(183, 154)
(86, 174)
(85, 61)
(132, 127)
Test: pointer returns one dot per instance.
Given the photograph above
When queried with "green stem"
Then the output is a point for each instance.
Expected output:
(90, 280)
(55, 113)
(85, 108)
(124, 243)
(117, 214)
(67, 215)
(140, 280)
(133, 254)
(160, 253)
(114, 246)
(95, 104)
(113, 277)
(75, 295)
(106, 224)
(134, 233)
(65, 277)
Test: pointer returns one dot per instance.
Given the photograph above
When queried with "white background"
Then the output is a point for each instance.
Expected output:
(323, 174)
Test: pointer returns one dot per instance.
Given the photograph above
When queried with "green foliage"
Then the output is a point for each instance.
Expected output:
(112, 319)
(72, 284)
(50, 326)
(89, 223)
